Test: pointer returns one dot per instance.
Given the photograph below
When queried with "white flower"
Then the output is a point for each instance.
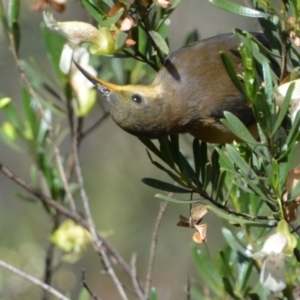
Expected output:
(66, 59)
(99, 41)
(281, 92)
(272, 274)
(86, 96)
(76, 32)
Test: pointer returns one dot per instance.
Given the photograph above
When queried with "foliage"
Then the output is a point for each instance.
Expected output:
(246, 184)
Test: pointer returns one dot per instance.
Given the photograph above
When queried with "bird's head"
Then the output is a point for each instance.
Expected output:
(139, 110)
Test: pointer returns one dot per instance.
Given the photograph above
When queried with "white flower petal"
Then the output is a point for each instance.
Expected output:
(275, 243)
(50, 21)
(81, 56)
(272, 274)
(79, 81)
(66, 59)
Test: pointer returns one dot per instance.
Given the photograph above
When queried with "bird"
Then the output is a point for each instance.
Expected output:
(189, 94)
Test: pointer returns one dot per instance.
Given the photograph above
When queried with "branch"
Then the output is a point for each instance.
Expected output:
(90, 221)
(134, 278)
(33, 280)
(69, 214)
(162, 209)
(85, 285)
(203, 194)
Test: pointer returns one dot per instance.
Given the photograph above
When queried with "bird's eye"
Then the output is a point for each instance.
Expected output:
(137, 98)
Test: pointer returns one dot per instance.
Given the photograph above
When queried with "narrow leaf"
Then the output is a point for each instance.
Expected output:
(112, 20)
(159, 41)
(93, 11)
(234, 219)
(283, 108)
(176, 201)
(239, 9)
(13, 12)
(232, 73)
(208, 272)
(235, 125)
(121, 39)
(153, 294)
(164, 186)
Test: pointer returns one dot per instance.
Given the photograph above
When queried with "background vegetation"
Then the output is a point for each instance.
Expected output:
(123, 209)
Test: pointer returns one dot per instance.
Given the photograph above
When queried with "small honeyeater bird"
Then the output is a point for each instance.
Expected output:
(188, 95)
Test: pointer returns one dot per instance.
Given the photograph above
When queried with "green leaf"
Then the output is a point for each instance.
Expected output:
(220, 185)
(4, 20)
(203, 161)
(151, 146)
(208, 175)
(30, 117)
(93, 11)
(294, 132)
(267, 75)
(174, 148)
(191, 37)
(176, 201)
(232, 73)
(166, 151)
(4, 102)
(233, 242)
(159, 41)
(235, 125)
(227, 265)
(239, 9)
(229, 288)
(208, 272)
(121, 39)
(54, 45)
(84, 294)
(187, 170)
(163, 27)
(240, 162)
(164, 186)
(15, 30)
(234, 219)
(197, 160)
(245, 272)
(283, 108)
(109, 3)
(112, 20)
(13, 116)
(170, 173)
(13, 12)
(153, 294)
(175, 4)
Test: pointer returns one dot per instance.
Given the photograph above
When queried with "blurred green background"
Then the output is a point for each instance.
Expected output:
(113, 164)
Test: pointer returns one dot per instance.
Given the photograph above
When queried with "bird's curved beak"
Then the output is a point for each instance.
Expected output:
(104, 87)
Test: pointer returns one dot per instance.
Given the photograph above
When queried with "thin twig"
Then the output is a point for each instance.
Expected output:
(162, 209)
(93, 127)
(204, 194)
(135, 282)
(33, 280)
(89, 218)
(69, 214)
(188, 287)
(48, 272)
(85, 285)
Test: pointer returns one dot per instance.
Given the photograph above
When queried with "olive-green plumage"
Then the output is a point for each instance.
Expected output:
(188, 95)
